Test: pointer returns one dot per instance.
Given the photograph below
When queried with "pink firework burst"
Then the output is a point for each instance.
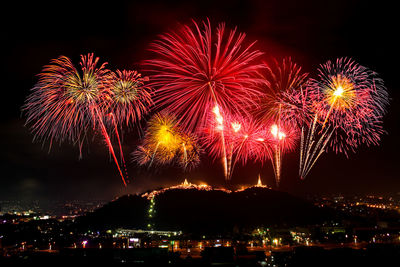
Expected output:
(349, 103)
(351, 99)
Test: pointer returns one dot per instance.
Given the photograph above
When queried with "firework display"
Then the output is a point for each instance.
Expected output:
(207, 89)
(68, 104)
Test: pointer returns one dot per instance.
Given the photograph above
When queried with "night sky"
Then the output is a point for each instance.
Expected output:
(311, 32)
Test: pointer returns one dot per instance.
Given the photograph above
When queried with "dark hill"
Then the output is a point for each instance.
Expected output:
(215, 211)
(129, 211)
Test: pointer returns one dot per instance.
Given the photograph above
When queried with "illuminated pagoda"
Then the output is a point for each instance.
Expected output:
(259, 183)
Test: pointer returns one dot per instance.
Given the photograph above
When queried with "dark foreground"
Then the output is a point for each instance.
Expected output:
(373, 255)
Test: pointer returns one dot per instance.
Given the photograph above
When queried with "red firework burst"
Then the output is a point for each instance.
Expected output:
(196, 68)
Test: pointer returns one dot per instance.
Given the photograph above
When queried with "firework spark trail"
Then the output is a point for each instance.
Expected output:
(185, 157)
(277, 168)
(301, 151)
(220, 120)
(318, 149)
(303, 144)
(109, 144)
(236, 158)
(329, 113)
(154, 154)
(319, 145)
(236, 127)
(322, 150)
(305, 150)
(121, 153)
(278, 155)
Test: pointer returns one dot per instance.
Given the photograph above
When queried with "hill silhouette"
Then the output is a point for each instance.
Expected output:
(207, 211)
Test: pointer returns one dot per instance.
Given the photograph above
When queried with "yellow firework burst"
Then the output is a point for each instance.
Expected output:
(189, 152)
(165, 143)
